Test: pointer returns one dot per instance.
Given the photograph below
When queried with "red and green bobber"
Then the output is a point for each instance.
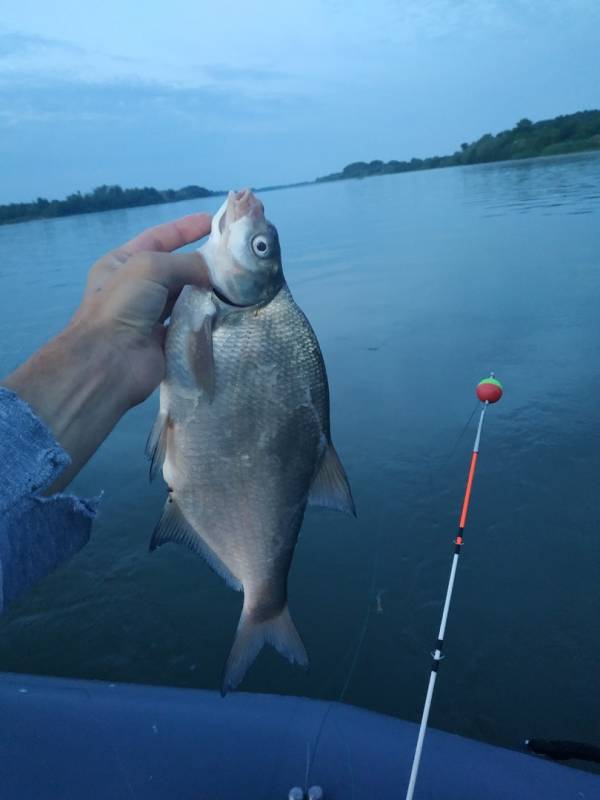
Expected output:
(489, 390)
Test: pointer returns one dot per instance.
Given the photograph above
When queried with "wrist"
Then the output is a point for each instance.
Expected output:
(73, 385)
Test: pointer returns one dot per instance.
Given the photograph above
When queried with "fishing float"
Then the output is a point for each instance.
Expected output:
(489, 391)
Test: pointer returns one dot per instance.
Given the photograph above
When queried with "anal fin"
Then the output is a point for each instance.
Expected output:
(330, 487)
(173, 527)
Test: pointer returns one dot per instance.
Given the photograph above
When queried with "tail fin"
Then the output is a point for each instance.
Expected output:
(279, 631)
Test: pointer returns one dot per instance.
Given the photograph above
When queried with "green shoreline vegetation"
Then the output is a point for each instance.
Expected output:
(570, 133)
(103, 198)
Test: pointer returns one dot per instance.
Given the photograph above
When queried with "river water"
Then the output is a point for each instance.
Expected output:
(417, 286)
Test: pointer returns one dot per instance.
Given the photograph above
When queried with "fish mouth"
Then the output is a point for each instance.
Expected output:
(237, 205)
(243, 204)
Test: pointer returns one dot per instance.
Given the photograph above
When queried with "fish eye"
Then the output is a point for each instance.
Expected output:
(260, 245)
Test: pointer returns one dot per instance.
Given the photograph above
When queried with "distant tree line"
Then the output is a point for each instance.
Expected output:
(103, 198)
(570, 133)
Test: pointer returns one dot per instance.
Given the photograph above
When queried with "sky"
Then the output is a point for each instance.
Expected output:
(227, 94)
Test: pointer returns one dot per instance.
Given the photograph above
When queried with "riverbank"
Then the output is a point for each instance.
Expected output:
(571, 133)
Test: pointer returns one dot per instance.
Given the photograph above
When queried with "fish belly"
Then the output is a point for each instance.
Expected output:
(242, 464)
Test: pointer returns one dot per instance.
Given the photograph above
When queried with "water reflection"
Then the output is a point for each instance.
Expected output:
(565, 184)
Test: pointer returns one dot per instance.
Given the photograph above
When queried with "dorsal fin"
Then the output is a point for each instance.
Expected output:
(330, 487)
(173, 527)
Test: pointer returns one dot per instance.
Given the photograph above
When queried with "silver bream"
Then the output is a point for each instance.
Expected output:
(243, 434)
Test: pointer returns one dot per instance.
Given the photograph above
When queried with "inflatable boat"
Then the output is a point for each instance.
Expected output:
(81, 740)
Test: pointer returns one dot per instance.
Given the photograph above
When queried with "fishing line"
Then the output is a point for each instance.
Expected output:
(357, 649)
(461, 434)
(443, 464)
(371, 598)
(370, 603)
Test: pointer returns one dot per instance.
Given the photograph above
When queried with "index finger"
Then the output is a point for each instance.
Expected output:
(167, 237)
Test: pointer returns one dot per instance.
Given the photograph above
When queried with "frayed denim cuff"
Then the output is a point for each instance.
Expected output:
(37, 534)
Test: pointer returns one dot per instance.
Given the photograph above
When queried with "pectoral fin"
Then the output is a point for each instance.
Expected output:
(330, 487)
(156, 446)
(200, 350)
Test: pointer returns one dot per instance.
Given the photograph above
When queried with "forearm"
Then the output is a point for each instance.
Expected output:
(73, 384)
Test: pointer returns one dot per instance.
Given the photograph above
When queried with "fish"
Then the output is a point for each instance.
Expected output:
(243, 432)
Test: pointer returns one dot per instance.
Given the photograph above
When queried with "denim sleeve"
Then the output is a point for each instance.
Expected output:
(37, 534)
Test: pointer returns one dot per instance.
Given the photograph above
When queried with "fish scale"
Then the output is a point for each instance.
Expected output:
(245, 450)
(251, 500)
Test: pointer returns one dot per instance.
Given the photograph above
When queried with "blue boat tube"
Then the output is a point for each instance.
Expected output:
(82, 740)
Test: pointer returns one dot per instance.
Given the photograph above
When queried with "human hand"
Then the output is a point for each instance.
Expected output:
(131, 291)
(110, 357)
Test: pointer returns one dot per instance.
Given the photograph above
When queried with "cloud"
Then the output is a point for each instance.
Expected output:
(267, 92)
(33, 65)
(29, 57)
(217, 108)
(16, 43)
(228, 73)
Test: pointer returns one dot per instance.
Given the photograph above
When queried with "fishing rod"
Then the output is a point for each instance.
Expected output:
(488, 391)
